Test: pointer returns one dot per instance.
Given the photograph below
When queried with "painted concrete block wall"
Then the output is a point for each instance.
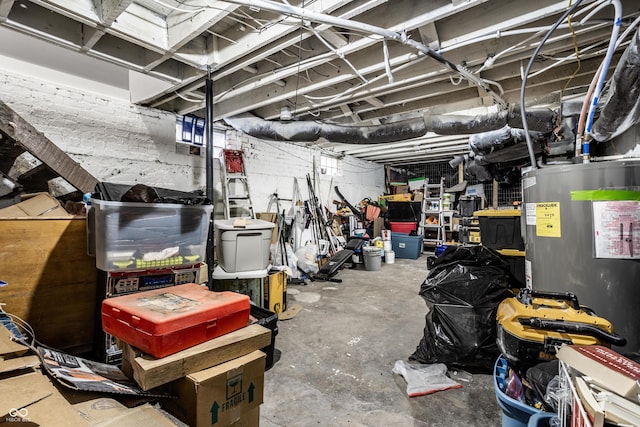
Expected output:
(117, 141)
(272, 167)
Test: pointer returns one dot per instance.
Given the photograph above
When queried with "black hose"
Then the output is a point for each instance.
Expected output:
(575, 327)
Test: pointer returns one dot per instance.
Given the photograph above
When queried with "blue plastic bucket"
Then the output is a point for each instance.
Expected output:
(440, 249)
(514, 413)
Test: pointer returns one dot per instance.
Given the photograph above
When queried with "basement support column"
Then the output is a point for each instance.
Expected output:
(209, 179)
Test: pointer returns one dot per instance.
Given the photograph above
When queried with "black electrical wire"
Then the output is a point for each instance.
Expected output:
(568, 12)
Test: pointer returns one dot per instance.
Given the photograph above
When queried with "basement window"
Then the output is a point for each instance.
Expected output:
(191, 135)
(330, 165)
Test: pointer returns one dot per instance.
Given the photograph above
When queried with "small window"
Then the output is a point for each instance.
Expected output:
(330, 165)
(191, 130)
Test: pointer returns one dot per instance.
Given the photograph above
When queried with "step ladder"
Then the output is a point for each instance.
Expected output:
(433, 194)
(235, 186)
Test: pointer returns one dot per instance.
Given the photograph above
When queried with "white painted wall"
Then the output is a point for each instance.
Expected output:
(117, 141)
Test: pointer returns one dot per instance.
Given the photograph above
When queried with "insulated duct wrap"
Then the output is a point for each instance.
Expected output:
(622, 110)
(488, 142)
(308, 131)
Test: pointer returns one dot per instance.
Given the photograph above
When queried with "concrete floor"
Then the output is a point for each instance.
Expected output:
(337, 355)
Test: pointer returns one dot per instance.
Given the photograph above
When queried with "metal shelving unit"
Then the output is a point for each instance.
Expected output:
(428, 204)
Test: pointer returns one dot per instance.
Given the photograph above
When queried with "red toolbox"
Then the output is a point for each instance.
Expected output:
(164, 321)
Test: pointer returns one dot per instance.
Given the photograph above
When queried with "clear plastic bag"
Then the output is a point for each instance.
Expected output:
(307, 256)
(556, 394)
(424, 379)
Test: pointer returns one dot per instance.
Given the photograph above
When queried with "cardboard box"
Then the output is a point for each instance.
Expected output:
(107, 412)
(51, 281)
(275, 291)
(270, 217)
(404, 197)
(36, 205)
(605, 367)
(400, 189)
(32, 399)
(225, 395)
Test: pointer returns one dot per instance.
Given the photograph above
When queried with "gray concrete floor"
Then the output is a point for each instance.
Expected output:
(336, 357)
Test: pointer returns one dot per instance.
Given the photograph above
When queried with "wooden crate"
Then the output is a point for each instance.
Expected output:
(51, 279)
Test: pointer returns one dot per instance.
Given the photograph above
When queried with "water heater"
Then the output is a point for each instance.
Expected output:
(583, 236)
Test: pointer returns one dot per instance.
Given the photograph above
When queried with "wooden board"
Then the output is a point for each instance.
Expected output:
(18, 133)
(51, 281)
(150, 372)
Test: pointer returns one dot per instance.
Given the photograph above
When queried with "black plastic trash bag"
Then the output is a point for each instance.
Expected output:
(462, 292)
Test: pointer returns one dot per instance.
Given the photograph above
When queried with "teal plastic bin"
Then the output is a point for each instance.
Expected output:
(514, 412)
(406, 246)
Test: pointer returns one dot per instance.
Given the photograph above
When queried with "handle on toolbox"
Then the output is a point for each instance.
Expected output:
(576, 327)
(526, 295)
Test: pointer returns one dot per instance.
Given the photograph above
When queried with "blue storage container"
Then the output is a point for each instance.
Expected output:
(514, 412)
(406, 246)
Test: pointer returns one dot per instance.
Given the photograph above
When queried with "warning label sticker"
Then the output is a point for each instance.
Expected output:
(617, 229)
(548, 219)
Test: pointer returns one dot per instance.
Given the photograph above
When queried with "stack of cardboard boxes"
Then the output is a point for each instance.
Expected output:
(219, 380)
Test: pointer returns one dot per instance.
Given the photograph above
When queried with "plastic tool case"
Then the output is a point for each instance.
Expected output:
(164, 321)
(533, 324)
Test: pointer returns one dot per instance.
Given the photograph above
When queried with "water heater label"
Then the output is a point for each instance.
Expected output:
(530, 209)
(527, 274)
(616, 226)
(548, 219)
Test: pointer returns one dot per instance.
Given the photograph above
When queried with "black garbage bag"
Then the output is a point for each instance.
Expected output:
(462, 292)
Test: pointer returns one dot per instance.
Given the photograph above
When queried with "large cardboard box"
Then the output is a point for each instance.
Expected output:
(229, 394)
(51, 281)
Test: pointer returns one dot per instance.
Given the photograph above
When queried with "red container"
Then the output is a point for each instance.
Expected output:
(403, 227)
(164, 321)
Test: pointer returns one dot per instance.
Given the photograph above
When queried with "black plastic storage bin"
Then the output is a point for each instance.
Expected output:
(500, 229)
(515, 258)
(269, 320)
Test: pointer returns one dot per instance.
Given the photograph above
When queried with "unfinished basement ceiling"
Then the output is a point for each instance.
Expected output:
(270, 64)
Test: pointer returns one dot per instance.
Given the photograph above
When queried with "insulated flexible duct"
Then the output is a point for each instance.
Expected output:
(488, 142)
(541, 120)
(622, 109)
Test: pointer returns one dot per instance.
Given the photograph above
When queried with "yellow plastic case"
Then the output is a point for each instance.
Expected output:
(532, 325)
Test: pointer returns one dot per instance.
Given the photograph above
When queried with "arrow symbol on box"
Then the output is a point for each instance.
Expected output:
(251, 388)
(214, 412)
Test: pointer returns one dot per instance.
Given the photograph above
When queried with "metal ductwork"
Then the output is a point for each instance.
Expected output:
(540, 120)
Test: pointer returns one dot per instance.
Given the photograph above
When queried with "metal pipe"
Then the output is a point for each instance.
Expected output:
(209, 179)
